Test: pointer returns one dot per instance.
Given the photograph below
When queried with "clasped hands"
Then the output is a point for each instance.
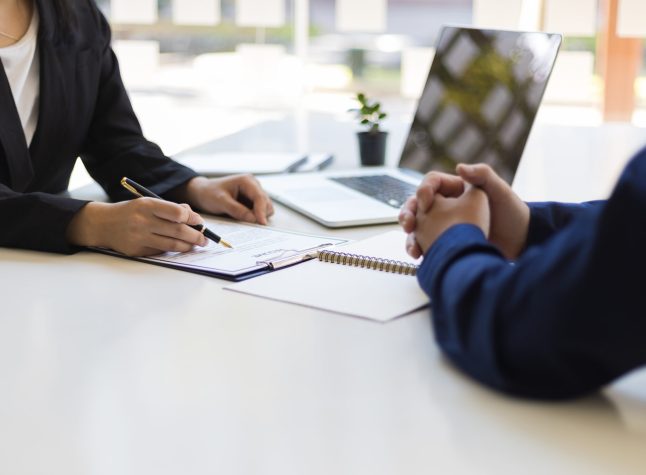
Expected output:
(475, 196)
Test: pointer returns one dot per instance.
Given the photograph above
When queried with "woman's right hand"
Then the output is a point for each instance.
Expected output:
(140, 227)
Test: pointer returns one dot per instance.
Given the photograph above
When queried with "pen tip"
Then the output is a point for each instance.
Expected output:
(226, 244)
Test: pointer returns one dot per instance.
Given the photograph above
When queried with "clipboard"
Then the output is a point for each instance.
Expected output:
(256, 250)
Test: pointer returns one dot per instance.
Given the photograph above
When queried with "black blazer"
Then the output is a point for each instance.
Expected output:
(84, 111)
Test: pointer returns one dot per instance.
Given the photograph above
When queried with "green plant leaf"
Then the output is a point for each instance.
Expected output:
(369, 113)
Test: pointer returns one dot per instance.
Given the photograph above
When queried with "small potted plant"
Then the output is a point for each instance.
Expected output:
(372, 142)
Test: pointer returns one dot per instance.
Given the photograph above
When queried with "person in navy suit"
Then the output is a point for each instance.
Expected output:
(541, 300)
(62, 97)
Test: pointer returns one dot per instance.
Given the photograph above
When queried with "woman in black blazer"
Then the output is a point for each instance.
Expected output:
(83, 111)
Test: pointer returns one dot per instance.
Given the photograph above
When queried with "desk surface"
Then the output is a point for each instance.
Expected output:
(109, 366)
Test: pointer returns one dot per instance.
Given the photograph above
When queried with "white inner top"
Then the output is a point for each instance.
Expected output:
(22, 68)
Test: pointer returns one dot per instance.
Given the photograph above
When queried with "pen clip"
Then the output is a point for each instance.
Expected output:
(130, 188)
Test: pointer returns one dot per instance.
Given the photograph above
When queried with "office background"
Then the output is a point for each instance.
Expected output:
(220, 66)
(110, 366)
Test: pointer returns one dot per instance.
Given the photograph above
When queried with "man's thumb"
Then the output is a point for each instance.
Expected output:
(484, 177)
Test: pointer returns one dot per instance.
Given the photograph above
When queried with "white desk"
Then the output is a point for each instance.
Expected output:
(109, 366)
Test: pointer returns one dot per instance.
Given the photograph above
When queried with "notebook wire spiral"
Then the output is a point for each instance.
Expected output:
(369, 262)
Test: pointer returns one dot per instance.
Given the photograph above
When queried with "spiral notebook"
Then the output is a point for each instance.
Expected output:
(373, 279)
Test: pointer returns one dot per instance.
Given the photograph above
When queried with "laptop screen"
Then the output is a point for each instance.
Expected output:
(480, 99)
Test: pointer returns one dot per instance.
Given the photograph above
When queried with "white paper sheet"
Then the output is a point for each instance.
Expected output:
(343, 289)
(133, 11)
(260, 13)
(196, 12)
(361, 15)
(630, 18)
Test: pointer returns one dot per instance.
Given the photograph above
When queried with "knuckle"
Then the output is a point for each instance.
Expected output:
(179, 214)
(432, 177)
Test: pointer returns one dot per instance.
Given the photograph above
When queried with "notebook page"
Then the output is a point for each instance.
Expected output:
(348, 290)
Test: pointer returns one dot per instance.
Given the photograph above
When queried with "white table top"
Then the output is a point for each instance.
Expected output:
(109, 366)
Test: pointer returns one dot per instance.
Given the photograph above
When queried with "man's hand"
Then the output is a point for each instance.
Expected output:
(239, 196)
(471, 207)
(509, 214)
(140, 227)
(434, 183)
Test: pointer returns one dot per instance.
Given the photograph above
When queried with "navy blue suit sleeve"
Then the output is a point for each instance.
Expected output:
(548, 217)
(563, 320)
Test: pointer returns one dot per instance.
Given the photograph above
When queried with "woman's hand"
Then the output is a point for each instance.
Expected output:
(239, 196)
(140, 227)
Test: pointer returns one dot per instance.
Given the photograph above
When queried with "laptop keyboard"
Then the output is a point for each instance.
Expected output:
(384, 188)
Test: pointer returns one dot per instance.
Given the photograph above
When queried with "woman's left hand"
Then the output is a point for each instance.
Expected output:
(239, 196)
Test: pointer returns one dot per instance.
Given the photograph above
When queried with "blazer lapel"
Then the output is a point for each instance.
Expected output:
(13, 139)
(55, 84)
(53, 113)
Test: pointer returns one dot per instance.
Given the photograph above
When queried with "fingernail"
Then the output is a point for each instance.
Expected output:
(469, 169)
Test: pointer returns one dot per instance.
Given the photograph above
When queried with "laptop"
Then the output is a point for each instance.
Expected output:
(478, 105)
